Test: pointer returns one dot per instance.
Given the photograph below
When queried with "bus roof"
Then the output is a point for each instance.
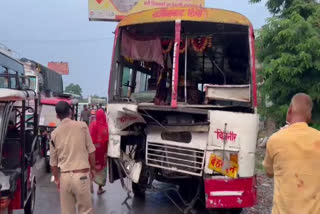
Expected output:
(185, 14)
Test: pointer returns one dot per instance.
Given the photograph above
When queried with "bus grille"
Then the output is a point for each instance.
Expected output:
(174, 158)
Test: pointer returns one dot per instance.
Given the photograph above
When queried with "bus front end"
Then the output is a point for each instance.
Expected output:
(183, 105)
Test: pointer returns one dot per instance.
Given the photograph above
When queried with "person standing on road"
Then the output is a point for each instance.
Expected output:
(85, 115)
(100, 137)
(293, 159)
(70, 147)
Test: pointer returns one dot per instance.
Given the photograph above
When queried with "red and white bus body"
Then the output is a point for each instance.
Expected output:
(205, 127)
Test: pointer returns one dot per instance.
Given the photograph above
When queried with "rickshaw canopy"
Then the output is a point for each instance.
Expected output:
(16, 95)
(47, 113)
(185, 14)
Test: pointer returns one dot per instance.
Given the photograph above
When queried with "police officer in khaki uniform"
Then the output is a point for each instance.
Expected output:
(70, 147)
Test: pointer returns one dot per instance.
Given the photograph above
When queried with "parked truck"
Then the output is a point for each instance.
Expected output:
(45, 82)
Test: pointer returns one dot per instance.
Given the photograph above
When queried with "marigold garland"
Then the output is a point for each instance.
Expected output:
(209, 41)
(169, 44)
(129, 60)
(200, 44)
(182, 46)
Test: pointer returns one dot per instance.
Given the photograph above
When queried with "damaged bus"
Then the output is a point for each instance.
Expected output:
(183, 106)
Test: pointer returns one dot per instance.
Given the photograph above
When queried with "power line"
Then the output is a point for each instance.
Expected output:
(57, 40)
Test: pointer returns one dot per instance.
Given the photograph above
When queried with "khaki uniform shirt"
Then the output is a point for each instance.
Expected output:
(293, 156)
(70, 146)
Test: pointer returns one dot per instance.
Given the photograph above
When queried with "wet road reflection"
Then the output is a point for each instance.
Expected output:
(111, 202)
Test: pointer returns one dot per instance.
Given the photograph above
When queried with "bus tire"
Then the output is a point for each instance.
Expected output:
(29, 208)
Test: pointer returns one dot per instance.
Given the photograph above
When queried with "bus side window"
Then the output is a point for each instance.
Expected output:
(13, 82)
(13, 79)
(126, 83)
(3, 77)
(142, 82)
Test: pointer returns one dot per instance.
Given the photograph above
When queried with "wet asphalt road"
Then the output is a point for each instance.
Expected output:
(111, 202)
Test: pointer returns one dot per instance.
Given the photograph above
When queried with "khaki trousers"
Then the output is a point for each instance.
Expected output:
(75, 190)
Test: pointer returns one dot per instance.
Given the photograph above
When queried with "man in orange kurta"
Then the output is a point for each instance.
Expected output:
(293, 159)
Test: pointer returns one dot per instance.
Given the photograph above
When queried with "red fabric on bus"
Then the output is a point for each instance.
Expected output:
(149, 50)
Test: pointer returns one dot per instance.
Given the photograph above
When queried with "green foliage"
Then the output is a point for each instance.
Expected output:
(316, 126)
(73, 89)
(276, 6)
(285, 7)
(288, 47)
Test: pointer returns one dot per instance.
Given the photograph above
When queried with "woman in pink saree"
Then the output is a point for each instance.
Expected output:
(100, 137)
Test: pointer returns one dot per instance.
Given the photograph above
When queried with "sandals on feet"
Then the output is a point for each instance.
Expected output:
(100, 191)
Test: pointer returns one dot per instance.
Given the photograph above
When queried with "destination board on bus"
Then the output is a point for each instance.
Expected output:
(115, 10)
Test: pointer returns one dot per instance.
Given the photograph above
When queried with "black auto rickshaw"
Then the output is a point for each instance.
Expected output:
(18, 144)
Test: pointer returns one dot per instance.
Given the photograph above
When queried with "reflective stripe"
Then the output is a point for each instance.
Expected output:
(226, 193)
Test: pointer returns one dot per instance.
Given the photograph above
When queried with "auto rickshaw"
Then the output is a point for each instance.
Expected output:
(48, 121)
(18, 143)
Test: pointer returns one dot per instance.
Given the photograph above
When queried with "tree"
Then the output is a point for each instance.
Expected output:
(73, 89)
(276, 6)
(288, 47)
(283, 7)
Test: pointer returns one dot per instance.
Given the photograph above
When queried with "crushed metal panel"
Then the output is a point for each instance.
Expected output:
(240, 93)
(114, 146)
(237, 132)
(121, 116)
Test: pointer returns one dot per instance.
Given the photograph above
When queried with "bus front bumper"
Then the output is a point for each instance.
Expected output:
(230, 193)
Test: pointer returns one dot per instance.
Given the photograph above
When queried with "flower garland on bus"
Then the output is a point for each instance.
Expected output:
(168, 44)
(209, 41)
(199, 44)
(182, 46)
(129, 60)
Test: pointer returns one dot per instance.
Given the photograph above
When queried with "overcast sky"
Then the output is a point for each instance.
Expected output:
(59, 30)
